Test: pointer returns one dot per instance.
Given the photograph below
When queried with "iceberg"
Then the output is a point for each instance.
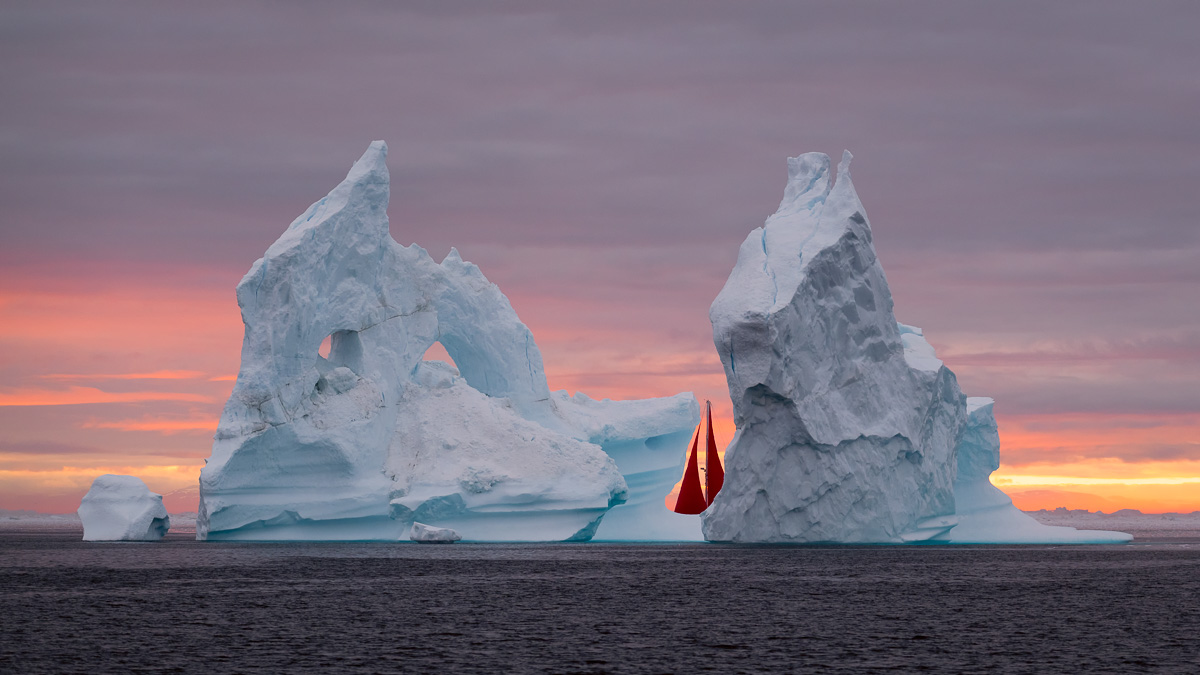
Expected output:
(840, 437)
(427, 534)
(122, 508)
(361, 442)
(849, 428)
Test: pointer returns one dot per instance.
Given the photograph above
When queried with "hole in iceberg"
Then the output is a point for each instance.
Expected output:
(436, 368)
(437, 352)
(342, 348)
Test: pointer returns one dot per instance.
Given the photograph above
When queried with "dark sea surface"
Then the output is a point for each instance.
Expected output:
(186, 606)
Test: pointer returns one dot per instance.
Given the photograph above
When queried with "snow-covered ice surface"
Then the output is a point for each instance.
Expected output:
(420, 532)
(849, 428)
(362, 442)
(122, 508)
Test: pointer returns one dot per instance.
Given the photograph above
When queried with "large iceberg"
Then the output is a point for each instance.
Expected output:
(839, 437)
(849, 428)
(371, 437)
(122, 508)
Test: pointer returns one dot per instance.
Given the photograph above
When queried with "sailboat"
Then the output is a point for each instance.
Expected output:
(694, 497)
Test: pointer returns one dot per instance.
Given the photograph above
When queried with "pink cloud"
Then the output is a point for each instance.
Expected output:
(156, 375)
(161, 425)
(86, 395)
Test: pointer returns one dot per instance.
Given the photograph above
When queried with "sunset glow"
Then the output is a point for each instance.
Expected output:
(90, 423)
(1038, 222)
(887, 236)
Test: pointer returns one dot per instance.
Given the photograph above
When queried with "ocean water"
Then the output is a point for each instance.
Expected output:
(186, 606)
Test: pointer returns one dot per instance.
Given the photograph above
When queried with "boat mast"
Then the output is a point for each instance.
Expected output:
(707, 450)
(714, 473)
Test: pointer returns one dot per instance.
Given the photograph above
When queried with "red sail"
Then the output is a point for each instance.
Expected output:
(714, 474)
(691, 495)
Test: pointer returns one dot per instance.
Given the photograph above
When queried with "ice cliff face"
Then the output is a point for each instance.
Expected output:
(979, 448)
(849, 428)
(840, 436)
(362, 442)
(122, 508)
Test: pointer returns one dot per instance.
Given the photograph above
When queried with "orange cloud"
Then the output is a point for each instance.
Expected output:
(1136, 439)
(156, 375)
(604, 346)
(166, 426)
(112, 318)
(1150, 498)
(1096, 428)
(59, 490)
(85, 395)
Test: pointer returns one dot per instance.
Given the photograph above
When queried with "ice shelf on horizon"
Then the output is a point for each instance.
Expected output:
(849, 428)
(122, 508)
(361, 443)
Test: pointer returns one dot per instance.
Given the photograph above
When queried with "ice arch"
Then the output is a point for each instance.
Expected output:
(358, 444)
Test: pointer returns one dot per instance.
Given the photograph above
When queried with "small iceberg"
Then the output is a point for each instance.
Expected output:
(428, 534)
(122, 508)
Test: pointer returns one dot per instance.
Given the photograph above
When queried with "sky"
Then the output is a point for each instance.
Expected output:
(1030, 171)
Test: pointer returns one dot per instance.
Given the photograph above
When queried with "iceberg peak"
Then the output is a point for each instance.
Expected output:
(808, 182)
(353, 213)
(371, 168)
